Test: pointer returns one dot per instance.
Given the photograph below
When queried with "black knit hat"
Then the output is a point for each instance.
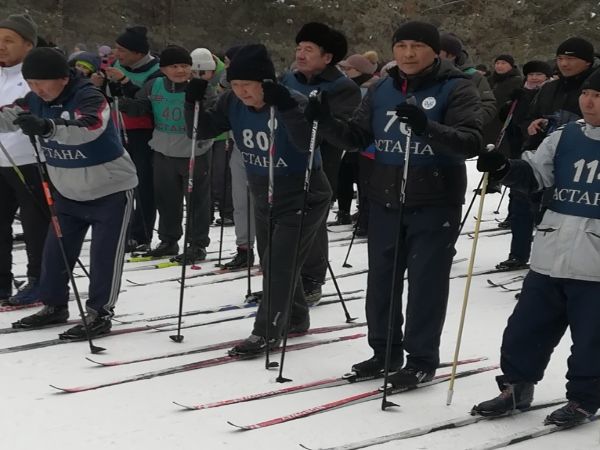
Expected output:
(537, 66)
(508, 58)
(332, 41)
(231, 51)
(577, 47)
(23, 25)
(592, 82)
(450, 44)
(251, 62)
(418, 31)
(174, 54)
(45, 63)
(135, 39)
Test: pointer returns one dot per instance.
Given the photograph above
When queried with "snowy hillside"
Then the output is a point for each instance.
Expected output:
(141, 415)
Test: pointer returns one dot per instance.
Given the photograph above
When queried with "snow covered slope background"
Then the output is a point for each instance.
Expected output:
(141, 415)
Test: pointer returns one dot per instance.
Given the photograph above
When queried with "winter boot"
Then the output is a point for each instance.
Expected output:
(48, 315)
(5, 294)
(164, 249)
(513, 396)
(299, 327)
(409, 377)
(28, 294)
(568, 416)
(505, 224)
(193, 254)
(226, 221)
(373, 367)
(253, 345)
(97, 325)
(342, 218)
(134, 246)
(312, 292)
(240, 261)
(512, 263)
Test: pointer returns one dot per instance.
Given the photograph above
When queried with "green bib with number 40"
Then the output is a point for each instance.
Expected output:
(167, 108)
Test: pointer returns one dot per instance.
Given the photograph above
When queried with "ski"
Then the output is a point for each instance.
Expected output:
(230, 307)
(499, 233)
(139, 257)
(432, 428)
(346, 379)
(230, 319)
(527, 435)
(7, 308)
(506, 282)
(356, 398)
(484, 230)
(214, 272)
(484, 272)
(220, 346)
(203, 364)
(10, 330)
(52, 342)
(164, 263)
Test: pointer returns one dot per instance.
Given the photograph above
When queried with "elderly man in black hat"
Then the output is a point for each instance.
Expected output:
(318, 49)
(430, 108)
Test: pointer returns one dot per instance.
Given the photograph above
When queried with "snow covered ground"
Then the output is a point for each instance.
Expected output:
(141, 414)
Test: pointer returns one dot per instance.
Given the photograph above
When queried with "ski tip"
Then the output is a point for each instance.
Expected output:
(62, 390)
(305, 447)
(98, 363)
(185, 407)
(238, 427)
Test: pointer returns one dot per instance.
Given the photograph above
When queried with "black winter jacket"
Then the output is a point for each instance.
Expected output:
(460, 130)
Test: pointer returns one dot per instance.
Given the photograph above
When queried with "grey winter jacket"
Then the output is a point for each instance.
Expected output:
(564, 246)
(169, 144)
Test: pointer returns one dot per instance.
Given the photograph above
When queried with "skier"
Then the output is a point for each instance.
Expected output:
(93, 178)
(163, 97)
(563, 286)
(18, 35)
(245, 110)
(134, 66)
(318, 49)
(446, 129)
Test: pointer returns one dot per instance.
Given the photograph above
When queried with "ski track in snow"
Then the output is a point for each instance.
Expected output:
(141, 414)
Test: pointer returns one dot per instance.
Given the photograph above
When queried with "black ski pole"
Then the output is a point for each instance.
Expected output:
(271, 190)
(59, 239)
(345, 263)
(385, 403)
(188, 206)
(223, 200)
(294, 280)
(22, 179)
(250, 297)
(349, 319)
(497, 211)
(499, 140)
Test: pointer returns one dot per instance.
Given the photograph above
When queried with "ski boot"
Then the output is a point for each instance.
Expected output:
(48, 315)
(568, 416)
(371, 368)
(97, 326)
(342, 218)
(253, 345)
(409, 377)
(512, 263)
(193, 254)
(312, 291)
(28, 294)
(513, 396)
(163, 249)
(240, 261)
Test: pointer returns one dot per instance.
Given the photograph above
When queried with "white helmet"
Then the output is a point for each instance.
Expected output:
(202, 59)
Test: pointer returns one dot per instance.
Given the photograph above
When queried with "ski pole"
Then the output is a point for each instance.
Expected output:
(294, 282)
(499, 140)
(59, 239)
(349, 319)
(21, 178)
(393, 303)
(345, 263)
(497, 211)
(250, 297)
(468, 285)
(188, 205)
(221, 211)
(270, 193)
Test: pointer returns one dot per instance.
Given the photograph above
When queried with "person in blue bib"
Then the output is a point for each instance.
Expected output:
(93, 179)
(245, 110)
(164, 98)
(442, 107)
(562, 289)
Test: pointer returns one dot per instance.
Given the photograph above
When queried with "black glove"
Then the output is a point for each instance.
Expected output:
(277, 95)
(318, 108)
(33, 125)
(413, 116)
(493, 162)
(195, 90)
(116, 89)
